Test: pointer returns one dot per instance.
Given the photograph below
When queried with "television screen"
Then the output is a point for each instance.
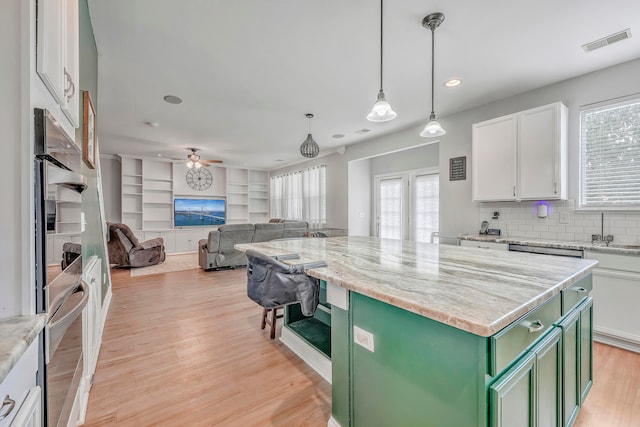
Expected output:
(193, 212)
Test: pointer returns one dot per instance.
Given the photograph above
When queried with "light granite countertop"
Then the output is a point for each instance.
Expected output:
(613, 248)
(479, 291)
(16, 334)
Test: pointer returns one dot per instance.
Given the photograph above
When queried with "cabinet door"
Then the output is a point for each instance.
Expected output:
(586, 348)
(539, 153)
(494, 159)
(571, 367)
(71, 101)
(30, 413)
(513, 396)
(549, 377)
(50, 48)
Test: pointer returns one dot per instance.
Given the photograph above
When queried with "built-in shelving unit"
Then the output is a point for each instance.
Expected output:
(157, 194)
(237, 196)
(258, 196)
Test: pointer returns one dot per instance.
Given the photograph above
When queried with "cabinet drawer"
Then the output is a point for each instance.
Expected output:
(20, 379)
(576, 293)
(507, 344)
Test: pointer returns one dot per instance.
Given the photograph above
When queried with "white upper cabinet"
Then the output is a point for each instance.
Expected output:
(494, 159)
(50, 47)
(521, 156)
(542, 153)
(71, 102)
(57, 55)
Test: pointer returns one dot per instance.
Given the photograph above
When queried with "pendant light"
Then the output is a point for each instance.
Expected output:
(433, 128)
(382, 111)
(309, 147)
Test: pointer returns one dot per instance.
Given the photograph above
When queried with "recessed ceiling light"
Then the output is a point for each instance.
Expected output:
(453, 83)
(278, 160)
(363, 130)
(159, 155)
(172, 99)
(337, 135)
(152, 124)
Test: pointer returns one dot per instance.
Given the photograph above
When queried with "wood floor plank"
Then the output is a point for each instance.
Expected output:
(186, 349)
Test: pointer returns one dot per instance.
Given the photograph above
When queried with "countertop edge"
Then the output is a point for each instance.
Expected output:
(16, 335)
(584, 246)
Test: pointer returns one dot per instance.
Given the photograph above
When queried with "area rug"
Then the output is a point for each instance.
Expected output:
(178, 262)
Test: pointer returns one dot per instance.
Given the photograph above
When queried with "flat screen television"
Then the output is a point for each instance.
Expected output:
(198, 212)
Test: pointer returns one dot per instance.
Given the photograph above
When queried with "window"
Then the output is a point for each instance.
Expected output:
(407, 205)
(610, 155)
(301, 195)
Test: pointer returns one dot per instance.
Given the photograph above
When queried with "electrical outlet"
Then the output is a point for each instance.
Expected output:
(363, 338)
(564, 217)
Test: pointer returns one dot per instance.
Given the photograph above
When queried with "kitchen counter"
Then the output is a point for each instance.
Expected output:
(480, 292)
(613, 248)
(16, 334)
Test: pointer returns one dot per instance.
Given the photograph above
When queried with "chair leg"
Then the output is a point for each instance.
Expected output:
(264, 318)
(274, 316)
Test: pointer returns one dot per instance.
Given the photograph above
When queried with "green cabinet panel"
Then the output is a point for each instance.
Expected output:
(549, 377)
(586, 348)
(340, 377)
(421, 373)
(512, 396)
(571, 367)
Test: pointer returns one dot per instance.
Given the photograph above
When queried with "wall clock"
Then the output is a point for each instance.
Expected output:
(199, 179)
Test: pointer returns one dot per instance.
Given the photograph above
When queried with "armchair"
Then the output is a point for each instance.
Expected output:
(126, 251)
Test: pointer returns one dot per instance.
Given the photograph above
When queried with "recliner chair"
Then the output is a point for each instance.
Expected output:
(126, 251)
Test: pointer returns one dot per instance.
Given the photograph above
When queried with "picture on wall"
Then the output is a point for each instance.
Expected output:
(89, 132)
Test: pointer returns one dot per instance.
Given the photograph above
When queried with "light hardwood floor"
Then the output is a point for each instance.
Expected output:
(186, 349)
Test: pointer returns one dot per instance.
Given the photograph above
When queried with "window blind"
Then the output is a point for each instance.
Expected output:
(391, 208)
(610, 155)
(426, 206)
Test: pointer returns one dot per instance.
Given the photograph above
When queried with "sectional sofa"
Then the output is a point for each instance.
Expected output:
(218, 249)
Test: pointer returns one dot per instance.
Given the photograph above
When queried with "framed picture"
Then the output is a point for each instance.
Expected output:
(89, 134)
(458, 168)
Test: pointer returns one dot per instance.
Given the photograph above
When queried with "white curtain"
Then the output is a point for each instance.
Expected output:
(301, 195)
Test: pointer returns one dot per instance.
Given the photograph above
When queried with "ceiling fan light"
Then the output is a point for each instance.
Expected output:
(197, 165)
(309, 147)
(381, 111)
(189, 164)
(432, 129)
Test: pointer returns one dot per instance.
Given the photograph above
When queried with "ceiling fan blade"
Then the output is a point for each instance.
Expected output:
(209, 161)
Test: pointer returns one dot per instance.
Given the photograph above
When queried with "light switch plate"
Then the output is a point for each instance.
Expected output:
(363, 338)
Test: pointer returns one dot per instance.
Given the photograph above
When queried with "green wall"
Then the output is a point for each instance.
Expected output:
(94, 237)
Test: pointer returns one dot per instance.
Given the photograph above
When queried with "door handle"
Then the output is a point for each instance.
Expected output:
(8, 403)
(57, 329)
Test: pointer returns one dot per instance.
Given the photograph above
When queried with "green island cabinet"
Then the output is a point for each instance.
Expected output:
(535, 372)
(314, 330)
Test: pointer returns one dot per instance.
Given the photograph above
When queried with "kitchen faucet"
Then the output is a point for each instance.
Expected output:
(601, 237)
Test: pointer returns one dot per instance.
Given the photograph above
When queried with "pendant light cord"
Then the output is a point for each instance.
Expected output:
(433, 46)
(381, 9)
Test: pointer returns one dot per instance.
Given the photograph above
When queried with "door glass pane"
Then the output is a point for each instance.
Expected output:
(425, 207)
(391, 208)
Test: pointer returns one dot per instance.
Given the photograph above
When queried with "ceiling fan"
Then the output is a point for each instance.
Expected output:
(194, 160)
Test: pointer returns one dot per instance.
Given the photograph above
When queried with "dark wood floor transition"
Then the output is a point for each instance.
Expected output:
(185, 349)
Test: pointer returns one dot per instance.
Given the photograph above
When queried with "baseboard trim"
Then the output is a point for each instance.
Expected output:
(333, 423)
(617, 340)
(312, 357)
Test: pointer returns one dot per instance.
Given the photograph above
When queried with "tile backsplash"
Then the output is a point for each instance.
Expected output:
(521, 220)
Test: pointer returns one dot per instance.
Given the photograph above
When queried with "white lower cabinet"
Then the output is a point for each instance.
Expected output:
(187, 240)
(19, 395)
(616, 292)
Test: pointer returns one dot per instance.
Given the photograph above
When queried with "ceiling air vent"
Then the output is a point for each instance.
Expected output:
(606, 41)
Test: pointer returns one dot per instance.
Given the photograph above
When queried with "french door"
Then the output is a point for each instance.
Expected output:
(407, 205)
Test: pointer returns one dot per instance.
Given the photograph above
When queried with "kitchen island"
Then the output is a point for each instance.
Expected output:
(427, 335)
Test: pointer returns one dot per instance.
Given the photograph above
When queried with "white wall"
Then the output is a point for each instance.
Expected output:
(111, 171)
(11, 175)
(406, 160)
(359, 206)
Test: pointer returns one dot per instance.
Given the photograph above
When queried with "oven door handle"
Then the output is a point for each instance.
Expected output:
(57, 329)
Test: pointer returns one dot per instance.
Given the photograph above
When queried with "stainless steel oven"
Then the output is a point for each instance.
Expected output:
(63, 296)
